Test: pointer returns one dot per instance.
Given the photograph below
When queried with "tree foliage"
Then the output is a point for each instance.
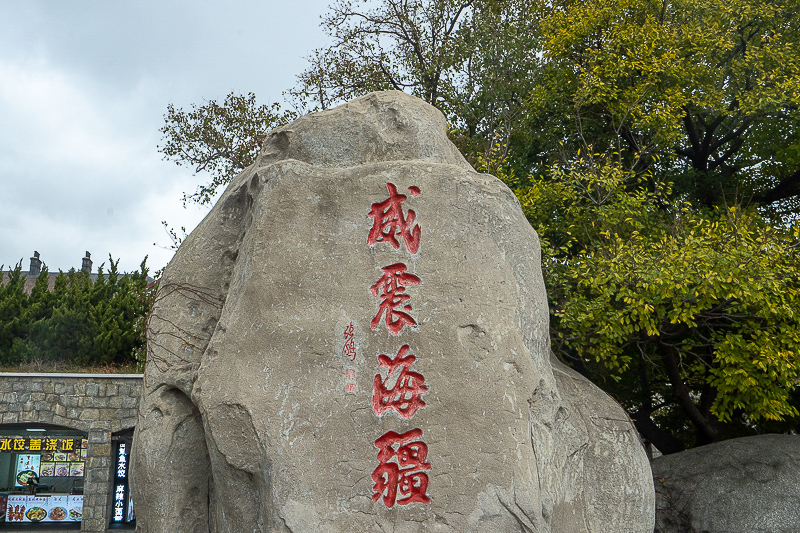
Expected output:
(702, 93)
(668, 201)
(79, 322)
(218, 139)
(687, 315)
(473, 59)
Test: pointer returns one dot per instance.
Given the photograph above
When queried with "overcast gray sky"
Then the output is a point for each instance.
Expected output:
(83, 90)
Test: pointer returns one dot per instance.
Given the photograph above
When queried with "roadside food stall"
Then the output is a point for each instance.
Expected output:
(41, 475)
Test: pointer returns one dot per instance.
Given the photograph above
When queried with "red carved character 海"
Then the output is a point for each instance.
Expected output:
(389, 222)
(400, 475)
(405, 396)
(391, 288)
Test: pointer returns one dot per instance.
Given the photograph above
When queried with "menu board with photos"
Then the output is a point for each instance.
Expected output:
(44, 508)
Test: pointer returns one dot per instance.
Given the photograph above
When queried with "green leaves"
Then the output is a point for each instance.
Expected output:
(220, 139)
(79, 322)
(636, 280)
(674, 86)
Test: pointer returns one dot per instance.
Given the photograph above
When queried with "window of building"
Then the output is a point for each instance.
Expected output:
(41, 475)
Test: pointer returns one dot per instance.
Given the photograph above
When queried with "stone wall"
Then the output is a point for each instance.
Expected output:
(97, 404)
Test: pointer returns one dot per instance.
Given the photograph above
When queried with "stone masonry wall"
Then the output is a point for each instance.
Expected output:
(97, 404)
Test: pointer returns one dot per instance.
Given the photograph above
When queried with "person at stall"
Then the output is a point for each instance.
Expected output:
(33, 484)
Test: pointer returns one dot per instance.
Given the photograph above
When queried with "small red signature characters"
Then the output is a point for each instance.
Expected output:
(405, 395)
(400, 476)
(391, 288)
(389, 222)
(349, 348)
(350, 380)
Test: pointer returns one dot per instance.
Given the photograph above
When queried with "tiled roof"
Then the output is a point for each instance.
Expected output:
(30, 280)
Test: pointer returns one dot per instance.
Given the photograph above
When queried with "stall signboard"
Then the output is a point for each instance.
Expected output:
(42, 444)
(121, 497)
(44, 508)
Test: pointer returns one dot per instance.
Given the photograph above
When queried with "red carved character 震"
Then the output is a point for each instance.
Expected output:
(391, 288)
(400, 475)
(389, 222)
(405, 396)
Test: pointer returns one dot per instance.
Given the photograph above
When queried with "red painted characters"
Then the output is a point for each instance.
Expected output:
(391, 288)
(404, 396)
(349, 348)
(400, 477)
(389, 221)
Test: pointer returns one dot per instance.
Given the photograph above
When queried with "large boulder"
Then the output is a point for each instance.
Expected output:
(356, 339)
(746, 485)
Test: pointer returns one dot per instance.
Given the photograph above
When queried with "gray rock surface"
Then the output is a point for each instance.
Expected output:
(257, 412)
(746, 485)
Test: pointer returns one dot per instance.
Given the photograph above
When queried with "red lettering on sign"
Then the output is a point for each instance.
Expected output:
(391, 288)
(405, 396)
(349, 348)
(400, 476)
(389, 222)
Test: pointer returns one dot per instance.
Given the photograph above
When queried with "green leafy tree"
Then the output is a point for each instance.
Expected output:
(473, 59)
(218, 139)
(687, 316)
(701, 93)
(13, 303)
(79, 322)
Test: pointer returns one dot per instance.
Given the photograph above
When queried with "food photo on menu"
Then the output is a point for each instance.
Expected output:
(76, 469)
(62, 469)
(57, 514)
(48, 469)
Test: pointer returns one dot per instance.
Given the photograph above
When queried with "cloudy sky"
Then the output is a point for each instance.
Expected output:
(83, 90)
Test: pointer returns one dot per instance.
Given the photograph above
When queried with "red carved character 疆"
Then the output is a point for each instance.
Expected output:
(400, 475)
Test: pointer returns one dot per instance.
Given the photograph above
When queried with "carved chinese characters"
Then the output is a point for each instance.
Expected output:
(400, 477)
(349, 351)
(404, 396)
(390, 222)
(349, 348)
(391, 287)
(403, 481)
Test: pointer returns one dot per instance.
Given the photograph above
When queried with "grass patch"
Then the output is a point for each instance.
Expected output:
(36, 367)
